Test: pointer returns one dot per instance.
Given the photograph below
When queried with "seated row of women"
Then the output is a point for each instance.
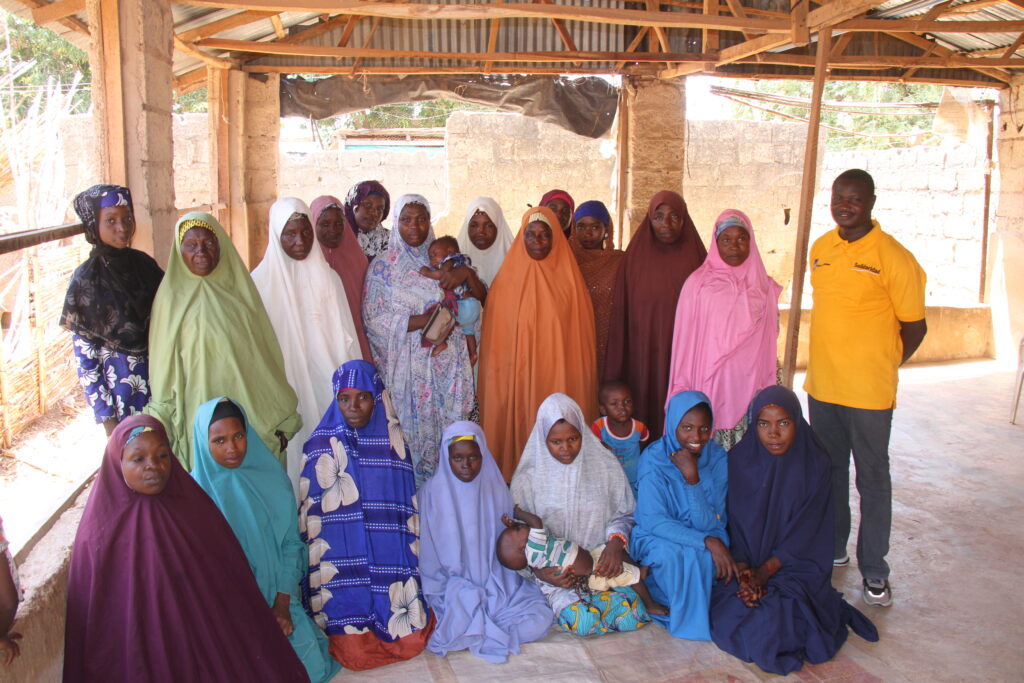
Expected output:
(216, 576)
(559, 314)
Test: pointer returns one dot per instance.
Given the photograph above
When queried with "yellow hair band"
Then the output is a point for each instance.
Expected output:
(467, 437)
(185, 226)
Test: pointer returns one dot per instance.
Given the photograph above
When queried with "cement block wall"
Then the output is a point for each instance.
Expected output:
(1006, 262)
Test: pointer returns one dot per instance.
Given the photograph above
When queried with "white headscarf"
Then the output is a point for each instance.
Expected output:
(309, 310)
(584, 501)
(488, 261)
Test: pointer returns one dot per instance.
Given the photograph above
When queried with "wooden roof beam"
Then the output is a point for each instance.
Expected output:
(366, 43)
(226, 24)
(919, 26)
(192, 51)
(280, 48)
(634, 44)
(275, 22)
(55, 11)
(350, 27)
(886, 61)
(492, 42)
(515, 10)
(73, 23)
(833, 12)
(913, 70)
(423, 70)
(840, 45)
(800, 34)
(925, 44)
(1014, 46)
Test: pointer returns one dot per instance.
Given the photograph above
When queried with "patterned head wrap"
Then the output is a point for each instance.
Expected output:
(89, 202)
(190, 223)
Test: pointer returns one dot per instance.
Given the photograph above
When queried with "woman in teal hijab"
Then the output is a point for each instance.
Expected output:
(253, 492)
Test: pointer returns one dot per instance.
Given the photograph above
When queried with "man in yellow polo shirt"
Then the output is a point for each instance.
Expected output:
(868, 319)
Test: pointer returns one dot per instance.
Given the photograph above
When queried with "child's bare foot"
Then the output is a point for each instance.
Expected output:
(439, 348)
(654, 607)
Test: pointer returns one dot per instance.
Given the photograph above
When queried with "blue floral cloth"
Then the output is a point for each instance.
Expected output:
(116, 384)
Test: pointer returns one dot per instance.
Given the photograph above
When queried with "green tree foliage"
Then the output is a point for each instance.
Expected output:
(53, 57)
(875, 126)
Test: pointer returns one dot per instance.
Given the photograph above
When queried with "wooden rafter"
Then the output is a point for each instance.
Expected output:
(918, 26)
(275, 21)
(740, 11)
(514, 10)
(909, 73)
(192, 51)
(840, 45)
(826, 15)
(1014, 46)
(492, 42)
(366, 43)
(280, 48)
(800, 34)
(887, 61)
(72, 23)
(350, 27)
(226, 24)
(634, 44)
(659, 31)
(925, 44)
(709, 38)
(55, 11)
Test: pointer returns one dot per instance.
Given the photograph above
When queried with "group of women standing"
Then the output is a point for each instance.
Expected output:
(307, 386)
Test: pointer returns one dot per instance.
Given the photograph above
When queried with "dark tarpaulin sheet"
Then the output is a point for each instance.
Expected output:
(586, 106)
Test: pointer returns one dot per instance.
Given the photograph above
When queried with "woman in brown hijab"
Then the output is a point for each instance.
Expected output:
(599, 264)
(664, 251)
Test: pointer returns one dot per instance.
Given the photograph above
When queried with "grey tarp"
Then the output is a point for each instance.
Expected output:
(585, 106)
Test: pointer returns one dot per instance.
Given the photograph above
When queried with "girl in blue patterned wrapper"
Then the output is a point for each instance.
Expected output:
(107, 307)
(358, 515)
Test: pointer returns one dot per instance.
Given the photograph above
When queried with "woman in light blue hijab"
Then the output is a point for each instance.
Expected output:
(252, 490)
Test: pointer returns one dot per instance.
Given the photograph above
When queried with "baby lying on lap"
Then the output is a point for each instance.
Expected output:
(527, 543)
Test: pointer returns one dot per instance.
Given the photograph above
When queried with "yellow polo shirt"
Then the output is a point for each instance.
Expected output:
(862, 291)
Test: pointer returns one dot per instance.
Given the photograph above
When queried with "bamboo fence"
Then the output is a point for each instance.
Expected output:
(37, 366)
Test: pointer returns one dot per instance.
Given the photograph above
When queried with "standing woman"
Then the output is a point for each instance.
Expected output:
(341, 249)
(159, 588)
(598, 265)
(211, 336)
(538, 337)
(366, 206)
(309, 310)
(108, 305)
(485, 237)
(727, 327)
(784, 610)
(562, 205)
(430, 391)
(664, 251)
(480, 605)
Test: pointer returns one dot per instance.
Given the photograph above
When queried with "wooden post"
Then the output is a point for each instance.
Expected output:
(217, 133)
(622, 159)
(803, 229)
(107, 94)
(990, 107)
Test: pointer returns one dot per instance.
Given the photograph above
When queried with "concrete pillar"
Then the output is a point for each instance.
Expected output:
(130, 58)
(245, 123)
(1006, 248)
(655, 141)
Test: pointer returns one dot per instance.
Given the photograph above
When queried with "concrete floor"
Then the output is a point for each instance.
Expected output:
(958, 481)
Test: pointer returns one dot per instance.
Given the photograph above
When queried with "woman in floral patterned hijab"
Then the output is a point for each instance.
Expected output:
(358, 514)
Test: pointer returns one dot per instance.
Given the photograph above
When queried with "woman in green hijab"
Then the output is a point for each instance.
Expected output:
(255, 495)
(209, 335)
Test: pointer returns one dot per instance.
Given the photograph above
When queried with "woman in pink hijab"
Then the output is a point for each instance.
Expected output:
(343, 253)
(727, 328)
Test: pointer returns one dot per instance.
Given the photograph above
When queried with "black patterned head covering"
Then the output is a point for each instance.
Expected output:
(110, 295)
(88, 204)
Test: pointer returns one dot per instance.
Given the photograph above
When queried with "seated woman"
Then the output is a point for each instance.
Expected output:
(358, 515)
(159, 588)
(680, 516)
(785, 611)
(727, 327)
(211, 336)
(578, 488)
(107, 307)
(252, 491)
(480, 605)
(308, 308)
(538, 337)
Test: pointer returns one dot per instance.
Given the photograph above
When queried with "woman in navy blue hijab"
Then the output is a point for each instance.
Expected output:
(784, 610)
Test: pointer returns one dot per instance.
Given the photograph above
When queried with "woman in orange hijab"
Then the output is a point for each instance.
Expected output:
(537, 339)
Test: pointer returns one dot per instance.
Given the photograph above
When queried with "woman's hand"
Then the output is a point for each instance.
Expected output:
(686, 462)
(610, 562)
(454, 277)
(725, 566)
(283, 614)
(748, 592)
(9, 647)
(555, 576)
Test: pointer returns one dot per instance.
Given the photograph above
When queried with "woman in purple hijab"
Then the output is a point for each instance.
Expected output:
(159, 588)
(366, 206)
(480, 605)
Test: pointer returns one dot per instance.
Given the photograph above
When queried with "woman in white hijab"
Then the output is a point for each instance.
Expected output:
(309, 310)
(485, 237)
(579, 490)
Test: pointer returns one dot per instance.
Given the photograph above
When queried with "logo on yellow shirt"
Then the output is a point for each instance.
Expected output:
(865, 267)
